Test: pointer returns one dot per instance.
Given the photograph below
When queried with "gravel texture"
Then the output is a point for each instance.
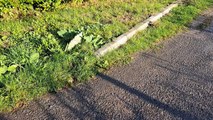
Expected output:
(172, 83)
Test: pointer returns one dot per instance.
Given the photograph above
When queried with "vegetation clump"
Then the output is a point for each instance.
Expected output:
(33, 56)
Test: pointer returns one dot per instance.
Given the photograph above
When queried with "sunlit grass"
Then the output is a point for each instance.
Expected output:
(32, 43)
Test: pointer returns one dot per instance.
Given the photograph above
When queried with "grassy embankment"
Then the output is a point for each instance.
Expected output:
(33, 61)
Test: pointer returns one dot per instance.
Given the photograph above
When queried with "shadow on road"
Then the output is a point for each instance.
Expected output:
(182, 70)
(50, 115)
(82, 102)
(173, 111)
(2, 117)
(193, 84)
(83, 107)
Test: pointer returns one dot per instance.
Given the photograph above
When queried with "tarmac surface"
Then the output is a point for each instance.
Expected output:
(172, 83)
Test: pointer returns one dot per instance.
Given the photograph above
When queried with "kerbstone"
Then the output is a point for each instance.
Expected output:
(122, 39)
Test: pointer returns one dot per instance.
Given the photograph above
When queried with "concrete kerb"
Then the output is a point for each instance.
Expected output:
(122, 39)
(169, 8)
(155, 18)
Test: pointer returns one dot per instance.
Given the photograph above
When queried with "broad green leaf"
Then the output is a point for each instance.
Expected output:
(88, 38)
(34, 57)
(4, 38)
(12, 68)
(2, 57)
(61, 33)
(3, 70)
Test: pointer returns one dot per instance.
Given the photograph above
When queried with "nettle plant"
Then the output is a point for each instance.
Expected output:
(83, 61)
(88, 37)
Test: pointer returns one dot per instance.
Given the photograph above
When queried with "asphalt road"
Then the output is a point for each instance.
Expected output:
(174, 82)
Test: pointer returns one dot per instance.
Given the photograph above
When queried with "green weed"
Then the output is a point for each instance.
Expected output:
(33, 60)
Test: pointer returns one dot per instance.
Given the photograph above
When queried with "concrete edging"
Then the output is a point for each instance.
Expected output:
(122, 39)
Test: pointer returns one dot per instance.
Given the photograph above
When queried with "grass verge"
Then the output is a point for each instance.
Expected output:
(177, 21)
(33, 61)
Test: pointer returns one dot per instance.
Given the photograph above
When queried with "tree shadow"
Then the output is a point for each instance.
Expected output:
(191, 74)
(50, 115)
(2, 117)
(181, 70)
(138, 115)
(80, 102)
(83, 107)
(178, 70)
(173, 111)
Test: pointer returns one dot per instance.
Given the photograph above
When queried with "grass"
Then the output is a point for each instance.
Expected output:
(169, 26)
(33, 61)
